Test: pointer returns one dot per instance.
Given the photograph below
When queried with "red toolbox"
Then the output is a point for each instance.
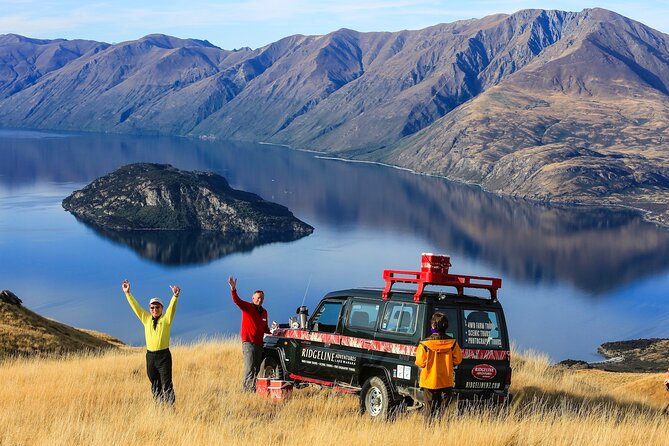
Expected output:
(279, 389)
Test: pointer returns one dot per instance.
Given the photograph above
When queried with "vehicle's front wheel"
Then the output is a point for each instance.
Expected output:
(375, 399)
(270, 368)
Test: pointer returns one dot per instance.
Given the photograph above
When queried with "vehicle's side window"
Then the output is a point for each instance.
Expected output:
(400, 317)
(363, 315)
(326, 317)
(482, 329)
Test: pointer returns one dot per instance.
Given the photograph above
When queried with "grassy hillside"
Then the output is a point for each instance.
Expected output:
(104, 399)
(26, 333)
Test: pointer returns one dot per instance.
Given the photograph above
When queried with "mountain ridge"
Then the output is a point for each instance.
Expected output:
(541, 104)
(24, 333)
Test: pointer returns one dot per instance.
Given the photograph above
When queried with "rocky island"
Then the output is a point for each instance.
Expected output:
(145, 196)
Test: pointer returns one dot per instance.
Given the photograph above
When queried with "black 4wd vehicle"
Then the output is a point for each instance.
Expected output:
(363, 341)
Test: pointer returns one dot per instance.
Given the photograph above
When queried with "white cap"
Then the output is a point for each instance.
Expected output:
(156, 300)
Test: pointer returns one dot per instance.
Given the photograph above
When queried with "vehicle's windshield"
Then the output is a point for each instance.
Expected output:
(327, 317)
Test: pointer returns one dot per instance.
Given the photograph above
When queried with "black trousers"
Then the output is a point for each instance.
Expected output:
(436, 401)
(159, 371)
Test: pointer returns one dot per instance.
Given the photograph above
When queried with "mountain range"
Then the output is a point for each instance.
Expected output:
(557, 106)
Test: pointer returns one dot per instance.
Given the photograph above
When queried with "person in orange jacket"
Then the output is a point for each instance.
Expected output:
(436, 356)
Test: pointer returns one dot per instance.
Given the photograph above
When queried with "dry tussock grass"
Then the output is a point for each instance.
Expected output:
(23, 332)
(104, 399)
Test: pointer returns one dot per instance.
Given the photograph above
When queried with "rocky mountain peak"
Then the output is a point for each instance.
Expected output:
(10, 298)
(169, 42)
(17, 38)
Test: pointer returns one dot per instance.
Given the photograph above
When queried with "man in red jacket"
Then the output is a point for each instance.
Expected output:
(254, 327)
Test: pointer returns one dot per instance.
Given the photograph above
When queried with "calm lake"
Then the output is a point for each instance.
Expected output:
(572, 277)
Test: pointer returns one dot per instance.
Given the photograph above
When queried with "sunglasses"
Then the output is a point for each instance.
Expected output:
(153, 307)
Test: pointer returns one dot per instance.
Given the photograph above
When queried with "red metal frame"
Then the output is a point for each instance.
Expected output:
(434, 271)
(312, 380)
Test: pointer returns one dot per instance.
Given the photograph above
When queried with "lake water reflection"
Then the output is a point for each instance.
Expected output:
(180, 248)
(572, 277)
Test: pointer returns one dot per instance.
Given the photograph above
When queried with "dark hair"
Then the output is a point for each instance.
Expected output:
(258, 291)
(439, 322)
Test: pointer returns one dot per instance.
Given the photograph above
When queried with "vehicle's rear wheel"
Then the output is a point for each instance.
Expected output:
(375, 399)
(270, 368)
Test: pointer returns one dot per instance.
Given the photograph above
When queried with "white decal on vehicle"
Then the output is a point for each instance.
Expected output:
(482, 385)
(329, 359)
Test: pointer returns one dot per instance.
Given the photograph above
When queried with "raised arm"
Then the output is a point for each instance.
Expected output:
(244, 306)
(172, 307)
(139, 311)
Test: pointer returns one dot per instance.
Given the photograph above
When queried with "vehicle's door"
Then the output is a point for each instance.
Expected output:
(399, 332)
(317, 357)
(358, 346)
(451, 313)
(485, 349)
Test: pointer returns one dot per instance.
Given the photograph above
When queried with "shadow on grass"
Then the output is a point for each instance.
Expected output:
(530, 401)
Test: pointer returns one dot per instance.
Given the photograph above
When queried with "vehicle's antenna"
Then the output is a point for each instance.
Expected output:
(307, 290)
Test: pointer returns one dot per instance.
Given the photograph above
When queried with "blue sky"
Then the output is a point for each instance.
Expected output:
(235, 23)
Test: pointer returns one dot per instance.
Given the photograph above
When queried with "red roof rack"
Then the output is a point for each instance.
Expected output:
(434, 271)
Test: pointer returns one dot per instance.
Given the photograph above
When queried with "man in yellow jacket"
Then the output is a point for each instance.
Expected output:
(157, 327)
(436, 357)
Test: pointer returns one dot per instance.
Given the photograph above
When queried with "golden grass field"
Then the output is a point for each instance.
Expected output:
(104, 399)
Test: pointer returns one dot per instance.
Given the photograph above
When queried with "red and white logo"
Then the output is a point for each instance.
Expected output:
(484, 372)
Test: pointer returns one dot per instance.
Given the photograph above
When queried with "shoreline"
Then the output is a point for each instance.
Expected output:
(634, 355)
(649, 216)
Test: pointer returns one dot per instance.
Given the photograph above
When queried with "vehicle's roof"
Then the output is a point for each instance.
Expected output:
(407, 296)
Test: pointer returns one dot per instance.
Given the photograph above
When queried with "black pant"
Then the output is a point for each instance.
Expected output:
(436, 401)
(159, 371)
